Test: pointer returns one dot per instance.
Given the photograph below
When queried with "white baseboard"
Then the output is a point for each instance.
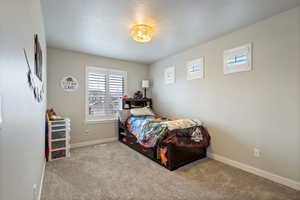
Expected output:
(42, 181)
(273, 177)
(93, 142)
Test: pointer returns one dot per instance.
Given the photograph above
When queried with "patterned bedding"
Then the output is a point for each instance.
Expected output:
(153, 130)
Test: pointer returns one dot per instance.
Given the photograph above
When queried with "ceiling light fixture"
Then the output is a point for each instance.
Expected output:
(142, 32)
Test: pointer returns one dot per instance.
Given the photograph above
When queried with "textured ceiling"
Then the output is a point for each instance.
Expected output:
(102, 27)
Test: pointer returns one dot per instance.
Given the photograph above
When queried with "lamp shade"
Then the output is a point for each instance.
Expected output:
(145, 84)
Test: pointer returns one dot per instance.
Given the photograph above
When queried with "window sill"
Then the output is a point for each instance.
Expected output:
(101, 121)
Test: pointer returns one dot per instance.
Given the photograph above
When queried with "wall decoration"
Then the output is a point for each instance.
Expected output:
(38, 58)
(195, 69)
(238, 59)
(170, 75)
(69, 83)
(34, 82)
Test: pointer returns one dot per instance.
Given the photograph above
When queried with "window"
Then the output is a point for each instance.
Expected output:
(238, 59)
(195, 69)
(104, 87)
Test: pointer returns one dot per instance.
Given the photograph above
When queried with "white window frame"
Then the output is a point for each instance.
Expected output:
(247, 48)
(195, 75)
(100, 119)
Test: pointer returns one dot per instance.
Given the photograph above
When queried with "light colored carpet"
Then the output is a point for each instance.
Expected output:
(116, 172)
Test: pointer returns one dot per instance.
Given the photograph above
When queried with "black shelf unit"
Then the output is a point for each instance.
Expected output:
(130, 103)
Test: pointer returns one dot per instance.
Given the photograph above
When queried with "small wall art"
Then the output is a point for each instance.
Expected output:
(170, 75)
(69, 83)
(34, 82)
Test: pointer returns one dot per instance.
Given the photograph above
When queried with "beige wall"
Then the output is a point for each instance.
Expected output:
(244, 110)
(72, 104)
(22, 134)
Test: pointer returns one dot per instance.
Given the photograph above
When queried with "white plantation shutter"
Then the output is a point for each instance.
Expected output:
(104, 89)
(97, 93)
(238, 59)
(116, 90)
(195, 69)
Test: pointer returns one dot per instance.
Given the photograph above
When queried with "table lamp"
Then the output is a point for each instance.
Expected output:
(145, 85)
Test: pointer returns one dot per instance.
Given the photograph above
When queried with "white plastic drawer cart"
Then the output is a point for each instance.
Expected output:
(58, 139)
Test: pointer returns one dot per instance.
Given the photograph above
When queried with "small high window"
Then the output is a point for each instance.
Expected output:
(238, 59)
(195, 69)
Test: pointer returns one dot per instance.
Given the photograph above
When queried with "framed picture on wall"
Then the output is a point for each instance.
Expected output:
(170, 75)
(38, 58)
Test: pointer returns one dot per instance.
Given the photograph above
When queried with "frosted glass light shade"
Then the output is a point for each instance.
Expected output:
(145, 84)
(142, 32)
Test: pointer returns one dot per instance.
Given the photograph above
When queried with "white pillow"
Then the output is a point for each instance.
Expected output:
(141, 111)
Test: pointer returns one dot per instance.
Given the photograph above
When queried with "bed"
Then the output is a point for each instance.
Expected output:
(170, 143)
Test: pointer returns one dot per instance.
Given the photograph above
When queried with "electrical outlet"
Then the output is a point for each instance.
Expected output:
(256, 152)
(86, 131)
(35, 191)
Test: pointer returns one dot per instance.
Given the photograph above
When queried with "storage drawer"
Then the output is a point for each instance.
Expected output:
(58, 127)
(146, 151)
(58, 154)
(58, 144)
(53, 123)
(58, 135)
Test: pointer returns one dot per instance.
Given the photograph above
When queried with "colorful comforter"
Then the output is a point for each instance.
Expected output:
(147, 129)
(151, 130)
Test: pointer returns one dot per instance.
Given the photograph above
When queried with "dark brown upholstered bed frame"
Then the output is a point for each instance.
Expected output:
(177, 156)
